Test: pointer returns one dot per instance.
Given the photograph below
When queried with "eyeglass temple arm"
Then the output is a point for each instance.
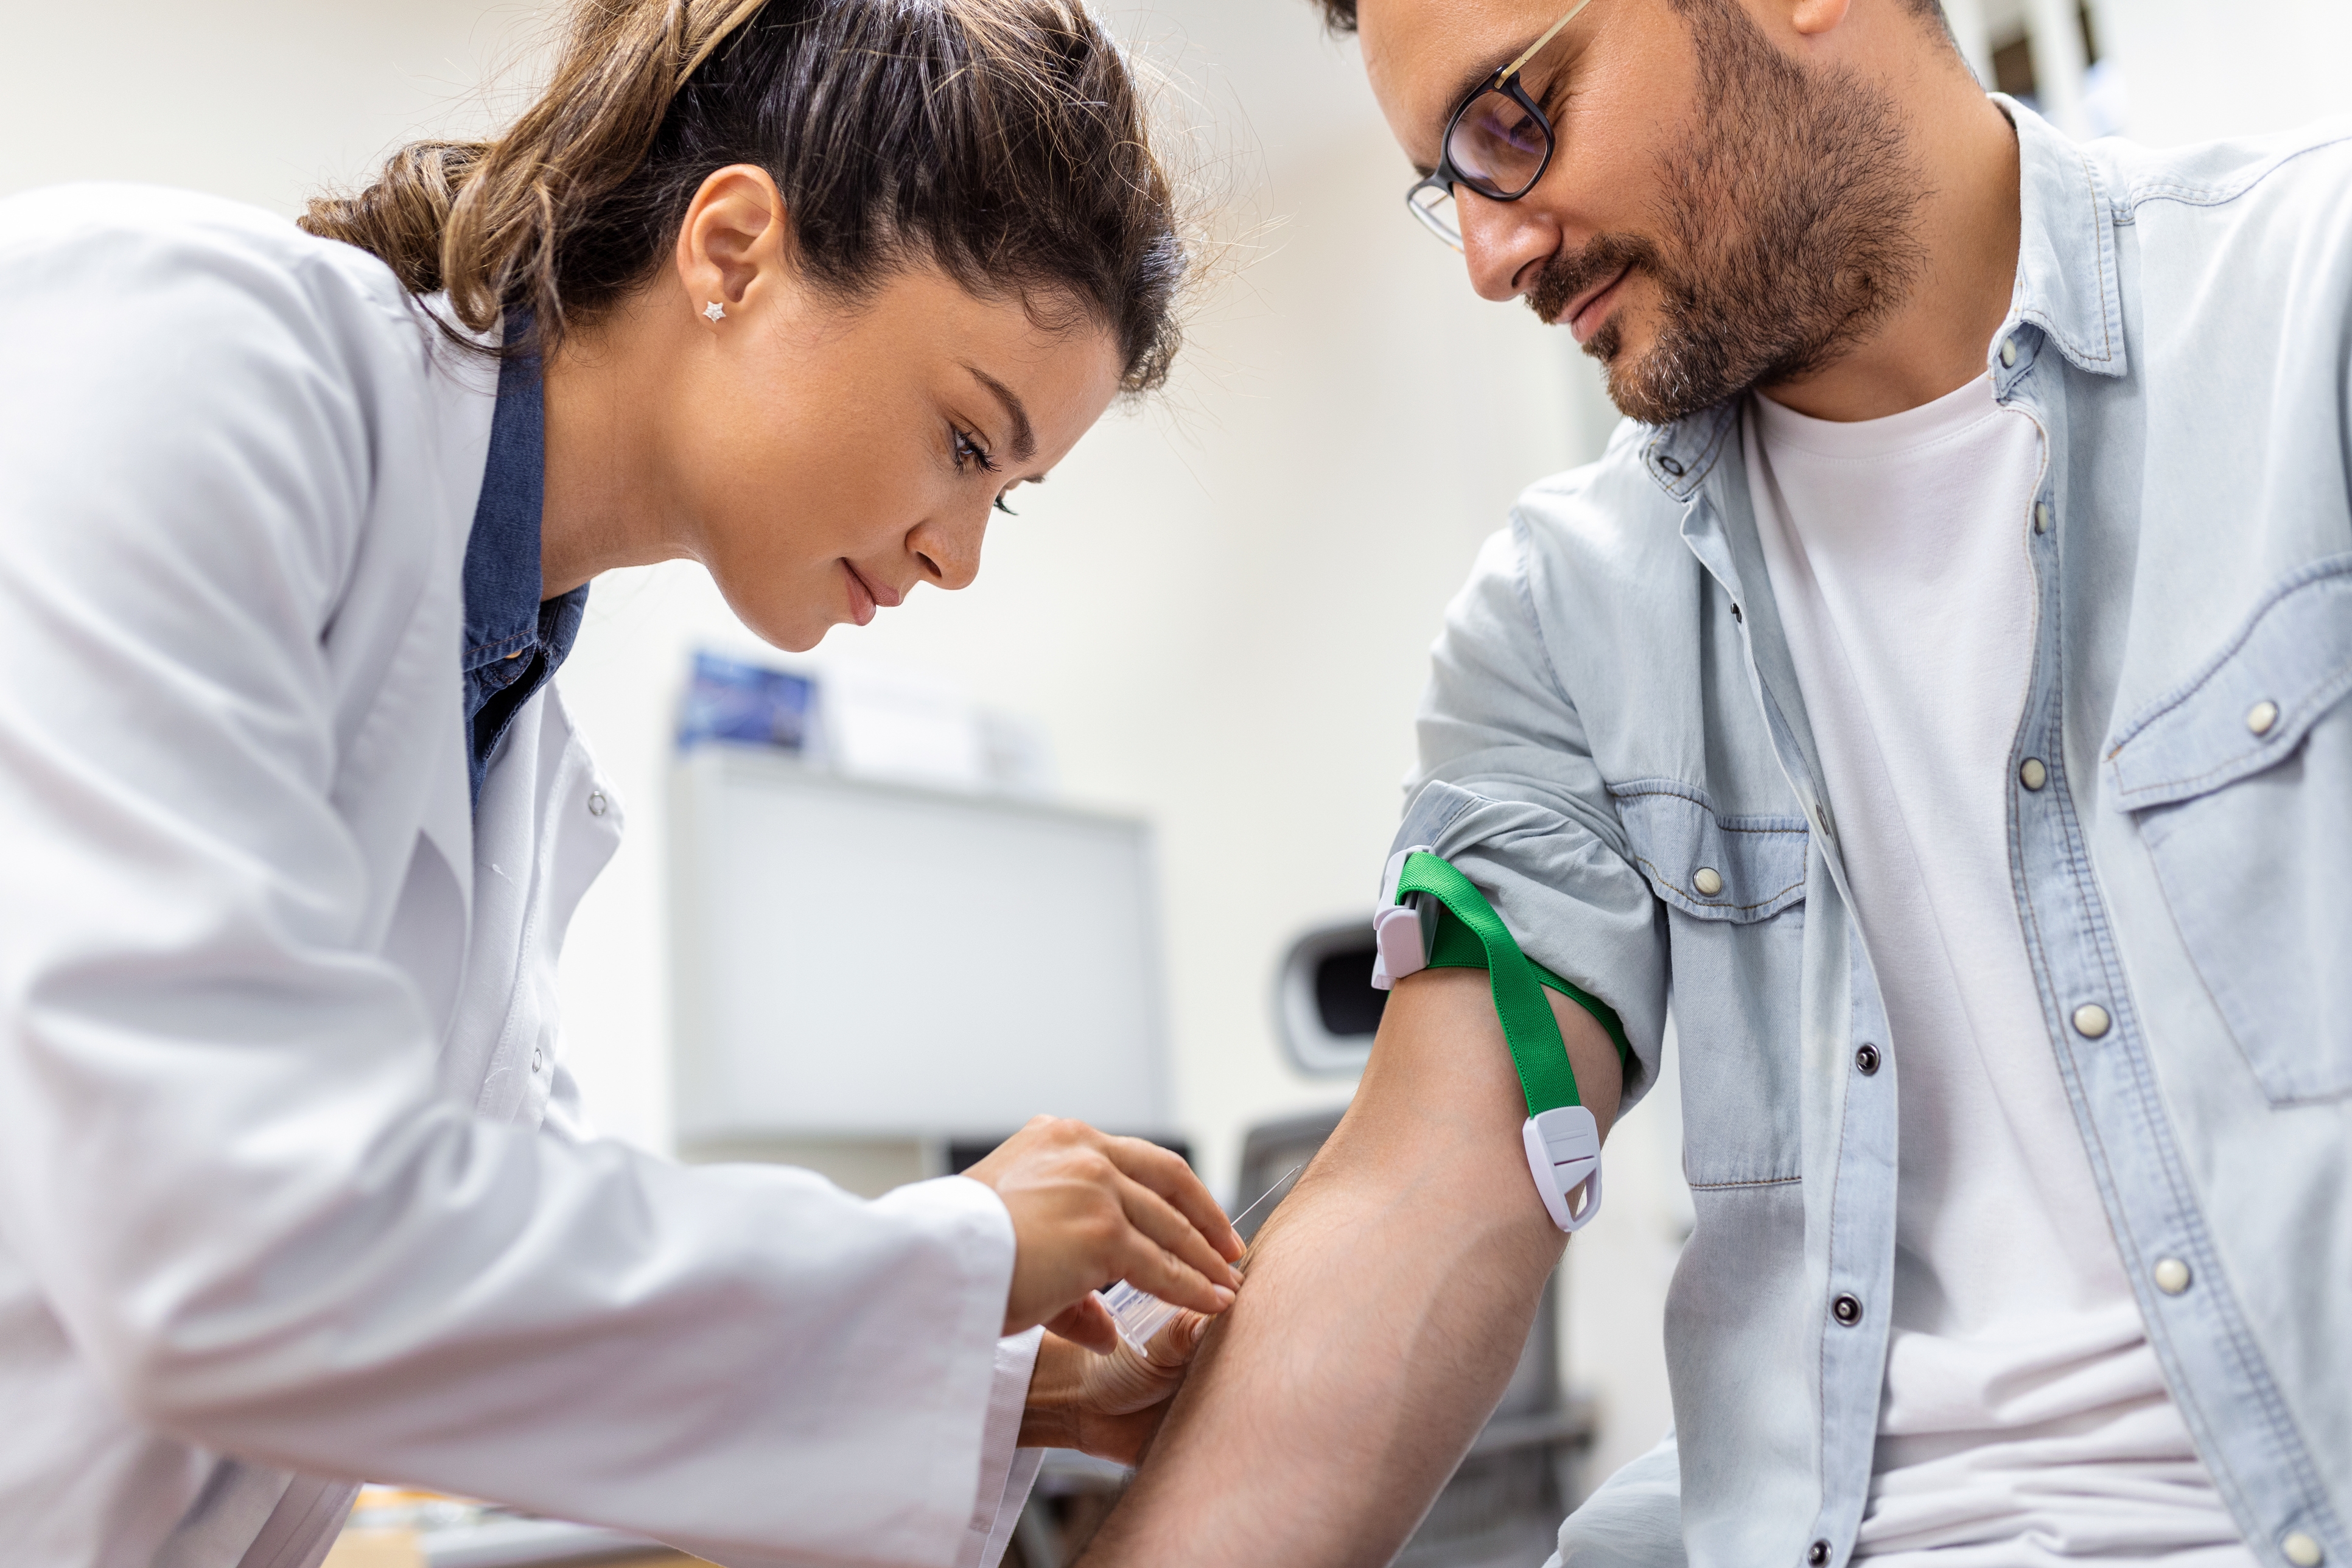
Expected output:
(1508, 71)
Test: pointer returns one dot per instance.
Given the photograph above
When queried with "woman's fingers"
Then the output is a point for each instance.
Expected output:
(1167, 1175)
(1150, 1268)
(1089, 1322)
(1088, 1209)
(1173, 1233)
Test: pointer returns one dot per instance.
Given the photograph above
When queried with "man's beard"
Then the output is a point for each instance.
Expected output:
(1787, 219)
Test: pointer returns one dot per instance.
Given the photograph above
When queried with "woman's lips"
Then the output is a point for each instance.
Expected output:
(866, 594)
(1584, 320)
(861, 596)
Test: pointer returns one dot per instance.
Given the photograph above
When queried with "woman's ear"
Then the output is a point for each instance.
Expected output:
(734, 246)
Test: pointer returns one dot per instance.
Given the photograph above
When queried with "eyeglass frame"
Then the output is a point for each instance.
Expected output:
(1445, 175)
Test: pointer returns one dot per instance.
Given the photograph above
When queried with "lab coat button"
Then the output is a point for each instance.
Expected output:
(2091, 1020)
(2302, 1550)
(2031, 774)
(1847, 1309)
(2171, 1276)
(1817, 1553)
(1708, 882)
(2008, 351)
(596, 803)
(538, 1058)
(1865, 1060)
(2261, 717)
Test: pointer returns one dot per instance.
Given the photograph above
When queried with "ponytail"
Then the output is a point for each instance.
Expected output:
(1003, 140)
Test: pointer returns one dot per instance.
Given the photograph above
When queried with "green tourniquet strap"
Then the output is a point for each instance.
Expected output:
(1455, 947)
(1528, 1027)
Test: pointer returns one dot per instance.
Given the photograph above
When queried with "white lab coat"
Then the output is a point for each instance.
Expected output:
(292, 1187)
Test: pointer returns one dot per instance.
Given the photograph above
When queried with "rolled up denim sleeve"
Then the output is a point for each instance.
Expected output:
(1506, 790)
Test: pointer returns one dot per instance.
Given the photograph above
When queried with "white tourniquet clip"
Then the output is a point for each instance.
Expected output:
(1562, 1140)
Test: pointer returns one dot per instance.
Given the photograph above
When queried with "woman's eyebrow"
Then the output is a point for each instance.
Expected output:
(1025, 436)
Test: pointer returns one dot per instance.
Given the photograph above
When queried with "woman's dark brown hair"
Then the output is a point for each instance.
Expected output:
(1002, 140)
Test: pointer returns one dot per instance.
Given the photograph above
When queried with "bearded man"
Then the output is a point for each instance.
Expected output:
(1939, 687)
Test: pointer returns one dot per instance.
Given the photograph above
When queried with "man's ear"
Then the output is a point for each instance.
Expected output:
(1815, 18)
(734, 245)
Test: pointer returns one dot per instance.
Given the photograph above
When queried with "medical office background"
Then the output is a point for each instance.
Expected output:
(1214, 620)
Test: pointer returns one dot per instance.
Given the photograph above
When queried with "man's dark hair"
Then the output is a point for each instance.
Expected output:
(1339, 15)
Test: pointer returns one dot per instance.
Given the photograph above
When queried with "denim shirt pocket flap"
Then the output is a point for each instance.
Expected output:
(1736, 868)
(2250, 706)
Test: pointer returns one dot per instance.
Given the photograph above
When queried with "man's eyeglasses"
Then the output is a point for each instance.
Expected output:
(1498, 143)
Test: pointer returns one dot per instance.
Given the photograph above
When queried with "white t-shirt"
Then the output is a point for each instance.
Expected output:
(2024, 1420)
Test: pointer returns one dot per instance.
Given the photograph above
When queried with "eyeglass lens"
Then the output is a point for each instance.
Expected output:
(1498, 146)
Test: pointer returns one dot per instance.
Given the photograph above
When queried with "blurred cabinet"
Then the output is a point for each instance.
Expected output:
(855, 962)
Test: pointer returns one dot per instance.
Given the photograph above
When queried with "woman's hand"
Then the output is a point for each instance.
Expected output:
(1088, 1210)
(1106, 1405)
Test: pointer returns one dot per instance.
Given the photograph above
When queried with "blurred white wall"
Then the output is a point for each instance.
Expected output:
(259, 99)
(1220, 605)
(2196, 71)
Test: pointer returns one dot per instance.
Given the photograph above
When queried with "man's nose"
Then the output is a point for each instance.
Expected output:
(1504, 243)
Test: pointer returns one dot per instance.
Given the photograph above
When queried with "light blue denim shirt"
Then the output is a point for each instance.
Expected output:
(1612, 706)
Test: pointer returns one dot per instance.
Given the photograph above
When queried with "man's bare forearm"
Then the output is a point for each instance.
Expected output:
(1387, 1302)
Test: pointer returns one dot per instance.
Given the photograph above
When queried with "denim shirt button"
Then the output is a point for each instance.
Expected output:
(2262, 716)
(1846, 1310)
(1708, 880)
(1818, 1554)
(1865, 1060)
(2008, 351)
(1672, 464)
(2091, 1020)
(2302, 1550)
(2042, 517)
(2031, 774)
(2171, 1276)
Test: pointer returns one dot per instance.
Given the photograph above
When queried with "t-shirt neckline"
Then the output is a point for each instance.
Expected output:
(1956, 412)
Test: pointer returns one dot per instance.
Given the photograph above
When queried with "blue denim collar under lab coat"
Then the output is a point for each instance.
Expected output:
(1612, 705)
(514, 640)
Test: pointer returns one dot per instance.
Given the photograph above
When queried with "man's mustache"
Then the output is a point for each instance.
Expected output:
(1564, 277)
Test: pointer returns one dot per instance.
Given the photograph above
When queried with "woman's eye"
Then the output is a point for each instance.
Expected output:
(968, 451)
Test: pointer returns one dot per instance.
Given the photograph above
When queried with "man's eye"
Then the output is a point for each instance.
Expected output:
(1003, 508)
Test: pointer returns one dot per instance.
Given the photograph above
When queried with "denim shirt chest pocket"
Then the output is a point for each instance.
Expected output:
(1734, 889)
(2238, 781)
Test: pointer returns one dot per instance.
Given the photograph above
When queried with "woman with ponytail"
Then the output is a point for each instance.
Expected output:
(294, 526)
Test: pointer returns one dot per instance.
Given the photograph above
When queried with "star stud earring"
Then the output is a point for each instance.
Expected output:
(715, 310)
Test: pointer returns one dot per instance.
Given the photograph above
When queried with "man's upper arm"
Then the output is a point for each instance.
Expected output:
(1508, 790)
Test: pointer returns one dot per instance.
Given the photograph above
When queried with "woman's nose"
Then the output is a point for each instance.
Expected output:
(949, 553)
(1502, 242)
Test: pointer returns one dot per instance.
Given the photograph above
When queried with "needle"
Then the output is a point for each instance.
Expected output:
(1260, 1202)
